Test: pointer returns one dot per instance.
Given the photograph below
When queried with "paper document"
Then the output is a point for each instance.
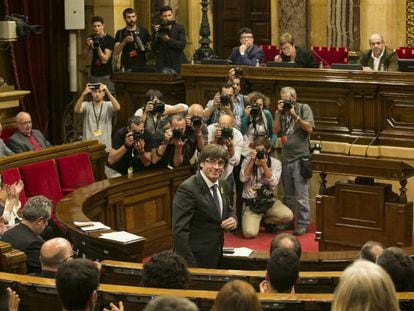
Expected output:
(240, 252)
(90, 225)
(121, 236)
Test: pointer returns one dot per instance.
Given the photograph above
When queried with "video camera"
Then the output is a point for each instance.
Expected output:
(165, 28)
(23, 28)
(137, 40)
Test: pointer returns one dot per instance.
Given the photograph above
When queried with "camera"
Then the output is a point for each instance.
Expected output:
(95, 86)
(316, 148)
(138, 136)
(260, 154)
(238, 72)
(137, 40)
(196, 122)
(287, 105)
(96, 41)
(159, 106)
(227, 132)
(254, 111)
(177, 134)
(164, 28)
(224, 100)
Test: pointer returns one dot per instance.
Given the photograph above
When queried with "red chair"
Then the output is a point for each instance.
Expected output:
(7, 132)
(269, 51)
(405, 52)
(75, 171)
(330, 55)
(11, 176)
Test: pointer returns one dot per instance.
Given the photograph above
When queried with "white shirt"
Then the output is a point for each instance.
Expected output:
(377, 60)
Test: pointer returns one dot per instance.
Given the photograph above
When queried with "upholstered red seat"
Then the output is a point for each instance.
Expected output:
(269, 51)
(75, 171)
(405, 52)
(11, 176)
(330, 55)
(7, 132)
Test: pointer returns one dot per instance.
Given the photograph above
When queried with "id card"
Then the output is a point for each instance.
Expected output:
(130, 171)
(97, 132)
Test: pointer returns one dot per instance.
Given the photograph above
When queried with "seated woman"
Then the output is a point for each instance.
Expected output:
(294, 54)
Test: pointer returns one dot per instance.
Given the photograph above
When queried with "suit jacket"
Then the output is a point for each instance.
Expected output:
(389, 59)
(19, 143)
(197, 234)
(4, 150)
(249, 58)
(23, 238)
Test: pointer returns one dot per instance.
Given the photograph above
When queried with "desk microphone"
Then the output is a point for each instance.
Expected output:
(355, 140)
(370, 143)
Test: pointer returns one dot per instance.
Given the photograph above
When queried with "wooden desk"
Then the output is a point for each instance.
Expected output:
(12, 260)
(140, 205)
(345, 104)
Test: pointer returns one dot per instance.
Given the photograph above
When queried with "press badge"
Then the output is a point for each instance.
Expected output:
(97, 132)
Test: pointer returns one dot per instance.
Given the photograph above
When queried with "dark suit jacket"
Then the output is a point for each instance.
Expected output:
(19, 143)
(249, 58)
(197, 234)
(389, 59)
(24, 239)
(303, 59)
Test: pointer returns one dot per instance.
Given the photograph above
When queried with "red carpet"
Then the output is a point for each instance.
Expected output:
(262, 241)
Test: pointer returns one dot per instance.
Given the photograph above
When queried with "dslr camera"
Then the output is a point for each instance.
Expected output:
(138, 136)
(164, 28)
(97, 41)
(177, 134)
(224, 100)
(260, 154)
(227, 133)
(137, 40)
(254, 111)
(265, 196)
(159, 106)
(287, 105)
(238, 72)
(196, 122)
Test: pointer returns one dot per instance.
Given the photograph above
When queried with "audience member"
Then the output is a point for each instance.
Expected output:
(169, 42)
(200, 213)
(102, 45)
(237, 296)
(282, 272)
(77, 283)
(222, 103)
(166, 270)
(131, 148)
(247, 53)
(133, 42)
(286, 240)
(399, 267)
(97, 114)
(293, 124)
(371, 250)
(10, 203)
(4, 150)
(53, 253)
(170, 303)
(379, 57)
(365, 286)
(26, 235)
(26, 138)
(239, 100)
(260, 174)
(294, 54)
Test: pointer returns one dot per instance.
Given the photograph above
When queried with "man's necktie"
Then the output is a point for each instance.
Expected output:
(216, 198)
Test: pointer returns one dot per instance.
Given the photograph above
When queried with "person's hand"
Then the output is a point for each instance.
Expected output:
(139, 146)
(156, 27)
(216, 100)
(113, 307)
(261, 162)
(229, 224)
(103, 88)
(227, 142)
(129, 38)
(264, 287)
(253, 155)
(164, 37)
(89, 42)
(129, 139)
(168, 135)
(226, 109)
(3, 226)
(18, 187)
(149, 107)
(88, 89)
(278, 58)
(232, 73)
(242, 49)
(14, 300)
(188, 120)
(3, 194)
(179, 143)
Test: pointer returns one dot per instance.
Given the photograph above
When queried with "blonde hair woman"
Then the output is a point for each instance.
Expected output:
(365, 286)
(238, 296)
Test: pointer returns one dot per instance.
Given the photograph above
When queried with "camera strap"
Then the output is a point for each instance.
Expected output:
(97, 117)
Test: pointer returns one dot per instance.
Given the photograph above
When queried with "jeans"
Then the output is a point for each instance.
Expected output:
(296, 191)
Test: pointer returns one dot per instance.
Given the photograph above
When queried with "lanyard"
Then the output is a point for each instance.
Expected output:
(97, 117)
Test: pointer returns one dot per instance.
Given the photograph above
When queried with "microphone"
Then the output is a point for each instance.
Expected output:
(355, 140)
(370, 143)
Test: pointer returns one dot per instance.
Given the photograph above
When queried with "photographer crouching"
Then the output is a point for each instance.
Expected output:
(260, 174)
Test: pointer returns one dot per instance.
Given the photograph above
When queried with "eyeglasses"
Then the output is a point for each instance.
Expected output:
(69, 258)
(219, 163)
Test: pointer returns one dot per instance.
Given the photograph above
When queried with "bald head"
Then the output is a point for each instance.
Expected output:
(54, 252)
(286, 240)
(226, 121)
(24, 123)
(196, 110)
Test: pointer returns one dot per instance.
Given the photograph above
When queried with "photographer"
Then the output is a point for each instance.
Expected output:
(102, 46)
(169, 41)
(260, 174)
(222, 103)
(239, 100)
(293, 125)
(156, 110)
(131, 148)
(196, 130)
(133, 41)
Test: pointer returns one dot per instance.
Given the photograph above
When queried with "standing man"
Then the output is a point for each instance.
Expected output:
(202, 211)
(247, 53)
(169, 42)
(294, 123)
(378, 57)
(102, 46)
(133, 41)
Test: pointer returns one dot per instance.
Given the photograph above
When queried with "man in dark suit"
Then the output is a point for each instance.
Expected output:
(26, 235)
(169, 42)
(26, 138)
(202, 211)
(247, 53)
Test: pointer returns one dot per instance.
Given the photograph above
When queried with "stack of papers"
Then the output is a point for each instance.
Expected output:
(240, 252)
(121, 236)
(90, 225)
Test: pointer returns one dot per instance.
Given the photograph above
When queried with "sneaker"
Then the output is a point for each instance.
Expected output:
(271, 228)
(288, 226)
(300, 230)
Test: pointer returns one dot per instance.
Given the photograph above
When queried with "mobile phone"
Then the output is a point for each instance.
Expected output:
(228, 250)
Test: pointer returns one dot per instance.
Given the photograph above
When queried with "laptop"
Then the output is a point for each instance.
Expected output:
(216, 61)
(282, 64)
(143, 69)
(406, 64)
(346, 66)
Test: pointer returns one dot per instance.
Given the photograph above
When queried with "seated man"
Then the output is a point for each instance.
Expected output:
(286, 240)
(169, 302)
(53, 253)
(371, 250)
(260, 174)
(26, 138)
(247, 53)
(378, 57)
(131, 148)
(282, 272)
(26, 235)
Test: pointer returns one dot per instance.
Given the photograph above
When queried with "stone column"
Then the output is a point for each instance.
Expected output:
(293, 18)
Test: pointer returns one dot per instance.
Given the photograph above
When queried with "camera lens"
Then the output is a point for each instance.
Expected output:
(260, 154)
(254, 111)
(287, 105)
(225, 100)
(196, 121)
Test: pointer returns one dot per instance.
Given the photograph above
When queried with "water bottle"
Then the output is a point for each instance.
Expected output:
(123, 69)
(257, 63)
(321, 65)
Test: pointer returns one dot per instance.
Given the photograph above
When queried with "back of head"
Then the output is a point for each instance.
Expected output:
(283, 269)
(54, 252)
(370, 251)
(238, 296)
(399, 267)
(365, 286)
(166, 270)
(286, 240)
(36, 207)
(170, 303)
(76, 282)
